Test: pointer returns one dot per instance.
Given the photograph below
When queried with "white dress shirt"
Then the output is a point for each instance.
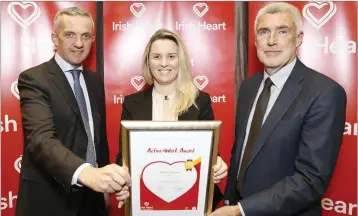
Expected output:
(279, 79)
(159, 112)
(66, 68)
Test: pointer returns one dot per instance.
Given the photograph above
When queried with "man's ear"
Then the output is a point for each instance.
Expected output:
(299, 39)
(54, 39)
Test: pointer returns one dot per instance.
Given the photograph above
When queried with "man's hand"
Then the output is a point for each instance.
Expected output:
(220, 170)
(227, 211)
(109, 179)
(122, 195)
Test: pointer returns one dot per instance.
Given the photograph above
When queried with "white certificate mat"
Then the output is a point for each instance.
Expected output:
(169, 167)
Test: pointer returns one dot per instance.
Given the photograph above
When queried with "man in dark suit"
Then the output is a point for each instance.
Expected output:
(65, 156)
(289, 126)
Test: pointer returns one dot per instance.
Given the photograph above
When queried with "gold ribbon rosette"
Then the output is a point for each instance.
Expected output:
(189, 164)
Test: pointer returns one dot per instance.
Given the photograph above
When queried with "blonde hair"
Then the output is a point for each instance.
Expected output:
(280, 7)
(71, 11)
(186, 92)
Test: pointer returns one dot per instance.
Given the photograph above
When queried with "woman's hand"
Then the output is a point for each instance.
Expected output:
(220, 170)
(122, 195)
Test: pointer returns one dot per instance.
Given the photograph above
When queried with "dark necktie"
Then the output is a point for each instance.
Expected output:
(256, 124)
(91, 152)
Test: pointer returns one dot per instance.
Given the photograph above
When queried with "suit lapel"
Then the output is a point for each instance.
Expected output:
(288, 94)
(246, 108)
(61, 82)
(93, 102)
(146, 104)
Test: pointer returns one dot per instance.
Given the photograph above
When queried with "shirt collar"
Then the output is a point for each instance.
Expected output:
(279, 78)
(65, 66)
(158, 95)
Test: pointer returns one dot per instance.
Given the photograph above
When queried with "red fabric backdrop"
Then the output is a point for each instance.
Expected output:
(207, 29)
(25, 42)
(330, 47)
(208, 33)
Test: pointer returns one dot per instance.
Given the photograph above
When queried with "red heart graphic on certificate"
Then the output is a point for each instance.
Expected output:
(169, 186)
(168, 181)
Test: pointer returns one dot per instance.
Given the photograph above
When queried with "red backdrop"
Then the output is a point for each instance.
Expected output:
(210, 42)
(25, 42)
(330, 47)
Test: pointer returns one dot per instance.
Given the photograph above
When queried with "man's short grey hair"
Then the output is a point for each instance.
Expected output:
(71, 11)
(279, 7)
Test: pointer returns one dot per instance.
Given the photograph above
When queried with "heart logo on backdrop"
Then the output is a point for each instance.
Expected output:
(23, 22)
(137, 9)
(168, 181)
(15, 90)
(318, 23)
(146, 203)
(201, 81)
(200, 9)
(138, 82)
(17, 164)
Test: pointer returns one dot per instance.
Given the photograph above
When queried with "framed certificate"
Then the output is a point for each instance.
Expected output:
(171, 166)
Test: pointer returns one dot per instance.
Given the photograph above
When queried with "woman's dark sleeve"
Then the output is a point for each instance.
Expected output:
(205, 108)
(126, 115)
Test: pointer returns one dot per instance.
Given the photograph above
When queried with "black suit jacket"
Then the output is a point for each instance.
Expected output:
(296, 151)
(138, 106)
(55, 142)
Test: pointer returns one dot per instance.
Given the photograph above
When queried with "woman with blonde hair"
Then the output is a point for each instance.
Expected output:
(172, 95)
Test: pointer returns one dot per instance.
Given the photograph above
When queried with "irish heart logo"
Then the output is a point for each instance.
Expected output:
(201, 81)
(14, 8)
(200, 9)
(138, 82)
(17, 164)
(137, 9)
(14, 90)
(168, 181)
(328, 7)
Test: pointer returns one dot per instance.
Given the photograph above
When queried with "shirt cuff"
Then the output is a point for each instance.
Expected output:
(241, 210)
(77, 173)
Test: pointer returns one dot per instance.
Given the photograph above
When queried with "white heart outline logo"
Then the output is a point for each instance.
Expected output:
(202, 13)
(139, 79)
(14, 90)
(318, 23)
(169, 171)
(17, 164)
(146, 203)
(200, 78)
(24, 5)
(134, 10)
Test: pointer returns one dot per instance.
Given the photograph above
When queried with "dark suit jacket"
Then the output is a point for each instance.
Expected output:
(296, 151)
(138, 106)
(55, 142)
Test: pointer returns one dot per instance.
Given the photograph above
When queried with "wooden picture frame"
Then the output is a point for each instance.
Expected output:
(155, 145)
